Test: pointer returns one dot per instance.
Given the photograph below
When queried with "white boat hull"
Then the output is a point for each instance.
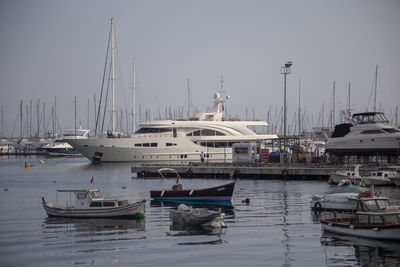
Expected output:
(384, 233)
(132, 210)
(377, 181)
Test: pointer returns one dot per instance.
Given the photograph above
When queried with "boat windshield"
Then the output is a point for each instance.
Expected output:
(370, 117)
(382, 204)
(95, 194)
(370, 205)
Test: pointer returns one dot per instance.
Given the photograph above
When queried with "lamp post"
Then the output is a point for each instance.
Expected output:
(285, 70)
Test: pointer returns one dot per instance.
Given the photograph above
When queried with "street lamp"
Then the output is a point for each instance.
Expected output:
(285, 70)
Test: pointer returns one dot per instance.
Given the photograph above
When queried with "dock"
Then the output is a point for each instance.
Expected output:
(266, 171)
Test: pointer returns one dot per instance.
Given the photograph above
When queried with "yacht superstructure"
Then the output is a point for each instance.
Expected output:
(176, 141)
(368, 133)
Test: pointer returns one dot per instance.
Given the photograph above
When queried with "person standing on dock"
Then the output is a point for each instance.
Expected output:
(202, 157)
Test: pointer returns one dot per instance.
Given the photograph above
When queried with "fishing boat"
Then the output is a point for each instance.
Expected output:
(381, 177)
(90, 203)
(344, 201)
(349, 171)
(373, 219)
(221, 193)
(188, 216)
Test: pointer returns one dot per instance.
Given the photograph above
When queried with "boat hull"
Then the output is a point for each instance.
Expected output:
(383, 233)
(222, 193)
(132, 210)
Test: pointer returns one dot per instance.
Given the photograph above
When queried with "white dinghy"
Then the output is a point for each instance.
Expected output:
(188, 216)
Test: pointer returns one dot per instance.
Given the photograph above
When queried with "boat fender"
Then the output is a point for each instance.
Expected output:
(317, 206)
(191, 192)
(162, 193)
(284, 172)
(189, 172)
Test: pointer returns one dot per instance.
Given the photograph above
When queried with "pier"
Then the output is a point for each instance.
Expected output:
(267, 171)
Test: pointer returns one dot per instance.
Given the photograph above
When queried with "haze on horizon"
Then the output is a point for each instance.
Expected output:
(57, 49)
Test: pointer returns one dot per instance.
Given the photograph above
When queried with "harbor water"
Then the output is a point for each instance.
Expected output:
(276, 228)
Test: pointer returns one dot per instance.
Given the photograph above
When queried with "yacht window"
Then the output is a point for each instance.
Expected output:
(220, 144)
(174, 133)
(379, 174)
(138, 144)
(146, 144)
(170, 144)
(95, 204)
(372, 132)
(230, 144)
(391, 130)
(185, 156)
(207, 132)
(189, 134)
(164, 130)
(210, 144)
(203, 143)
(82, 196)
(108, 204)
(370, 205)
(153, 144)
(219, 133)
(382, 204)
(196, 133)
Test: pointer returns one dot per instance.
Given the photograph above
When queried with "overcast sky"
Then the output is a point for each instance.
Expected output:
(57, 48)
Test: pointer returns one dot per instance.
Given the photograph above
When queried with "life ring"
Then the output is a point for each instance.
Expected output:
(317, 206)
(189, 172)
(284, 173)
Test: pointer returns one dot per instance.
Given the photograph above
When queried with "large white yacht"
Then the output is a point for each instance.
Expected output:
(368, 133)
(176, 141)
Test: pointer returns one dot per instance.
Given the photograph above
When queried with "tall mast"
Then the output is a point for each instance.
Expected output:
(376, 86)
(299, 112)
(134, 98)
(333, 105)
(113, 76)
(188, 88)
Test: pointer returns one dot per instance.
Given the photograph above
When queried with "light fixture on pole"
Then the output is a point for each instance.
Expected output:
(285, 70)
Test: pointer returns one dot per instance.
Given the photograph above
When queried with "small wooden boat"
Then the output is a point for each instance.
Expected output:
(371, 220)
(90, 203)
(188, 216)
(221, 193)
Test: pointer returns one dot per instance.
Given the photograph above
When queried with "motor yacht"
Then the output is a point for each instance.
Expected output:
(369, 133)
(177, 141)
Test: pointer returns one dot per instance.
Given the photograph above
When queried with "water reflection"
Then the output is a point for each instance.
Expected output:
(368, 252)
(95, 229)
(225, 206)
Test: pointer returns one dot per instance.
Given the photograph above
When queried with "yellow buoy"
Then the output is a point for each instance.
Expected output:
(27, 165)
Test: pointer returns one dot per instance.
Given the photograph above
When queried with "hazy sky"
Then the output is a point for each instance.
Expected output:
(57, 48)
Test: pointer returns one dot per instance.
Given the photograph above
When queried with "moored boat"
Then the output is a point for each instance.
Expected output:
(188, 216)
(350, 171)
(221, 193)
(381, 177)
(90, 203)
(371, 220)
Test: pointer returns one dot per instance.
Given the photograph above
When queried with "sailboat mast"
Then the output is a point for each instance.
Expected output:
(299, 112)
(113, 76)
(134, 98)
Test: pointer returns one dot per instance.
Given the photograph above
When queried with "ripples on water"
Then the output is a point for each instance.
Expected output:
(276, 228)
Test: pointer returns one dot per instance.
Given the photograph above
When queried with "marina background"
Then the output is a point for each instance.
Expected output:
(276, 228)
(57, 49)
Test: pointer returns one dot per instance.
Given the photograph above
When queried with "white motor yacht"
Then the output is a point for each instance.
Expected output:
(176, 141)
(59, 147)
(368, 133)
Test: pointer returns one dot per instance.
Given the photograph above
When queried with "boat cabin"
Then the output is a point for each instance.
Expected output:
(372, 204)
(369, 117)
(91, 198)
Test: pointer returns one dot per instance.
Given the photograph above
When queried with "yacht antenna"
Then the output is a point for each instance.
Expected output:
(189, 106)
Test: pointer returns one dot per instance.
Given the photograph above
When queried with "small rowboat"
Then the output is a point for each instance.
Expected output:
(221, 193)
(89, 203)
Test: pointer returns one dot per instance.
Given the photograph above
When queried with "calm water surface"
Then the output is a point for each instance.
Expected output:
(277, 228)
